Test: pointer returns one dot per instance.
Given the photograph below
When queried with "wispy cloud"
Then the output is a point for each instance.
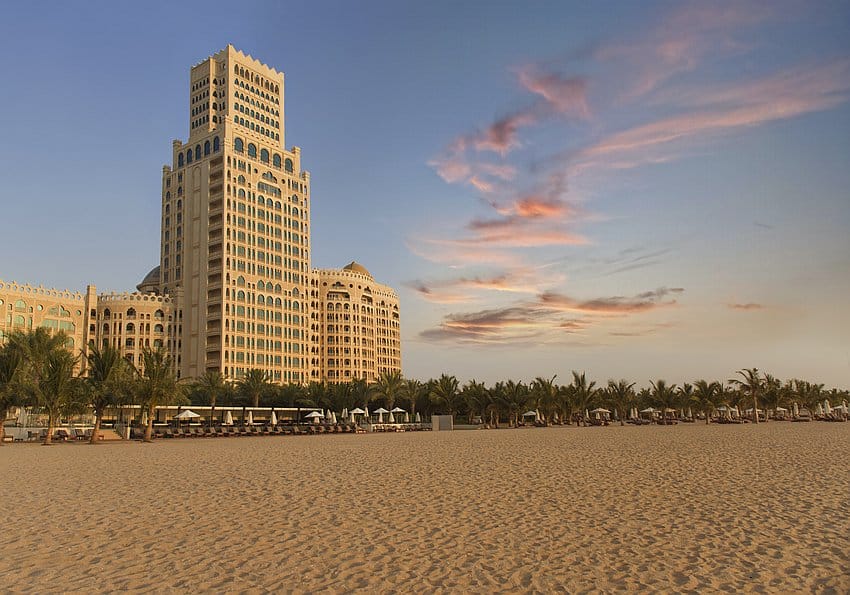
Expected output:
(746, 307)
(549, 317)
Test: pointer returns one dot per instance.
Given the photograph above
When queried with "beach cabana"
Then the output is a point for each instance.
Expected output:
(314, 416)
(380, 411)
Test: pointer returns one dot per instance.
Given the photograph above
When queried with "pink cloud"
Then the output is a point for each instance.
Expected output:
(565, 95)
(746, 307)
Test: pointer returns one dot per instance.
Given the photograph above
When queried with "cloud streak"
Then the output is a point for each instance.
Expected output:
(550, 317)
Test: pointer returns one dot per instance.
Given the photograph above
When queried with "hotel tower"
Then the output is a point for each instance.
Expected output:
(234, 289)
(236, 226)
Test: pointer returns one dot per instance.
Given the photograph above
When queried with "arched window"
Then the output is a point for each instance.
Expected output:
(158, 328)
(264, 156)
(252, 150)
(197, 151)
(238, 145)
(206, 148)
(276, 160)
(240, 281)
(158, 315)
(287, 165)
(240, 296)
(130, 328)
(216, 145)
(180, 160)
(131, 313)
(189, 156)
(261, 285)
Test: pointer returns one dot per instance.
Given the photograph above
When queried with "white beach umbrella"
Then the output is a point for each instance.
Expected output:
(529, 414)
(398, 410)
(351, 417)
(380, 417)
(586, 414)
(187, 414)
(273, 419)
(22, 416)
(537, 415)
(819, 410)
(796, 409)
(418, 418)
(344, 413)
(366, 412)
(391, 418)
(648, 410)
(826, 408)
(250, 420)
(357, 410)
(327, 414)
(406, 417)
(228, 419)
(333, 417)
(690, 415)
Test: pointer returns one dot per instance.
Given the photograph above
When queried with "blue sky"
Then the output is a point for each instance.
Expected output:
(655, 189)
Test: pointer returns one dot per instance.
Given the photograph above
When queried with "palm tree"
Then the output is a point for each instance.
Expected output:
(621, 395)
(388, 387)
(752, 385)
(59, 390)
(705, 397)
(477, 398)
(685, 395)
(772, 395)
(157, 385)
(445, 392)
(211, 386)
(253, 385)
(109, 382)
(411, 392)
(545, 394)
(513, 397)
(45, 371)
(664, 397)
(10, 364)
(583, 391)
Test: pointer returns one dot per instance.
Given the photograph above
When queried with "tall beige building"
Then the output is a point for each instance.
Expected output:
(234, 289)
(236, 226)
(355, 326)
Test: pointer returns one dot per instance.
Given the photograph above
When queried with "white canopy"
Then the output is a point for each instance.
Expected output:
(600, 410)
(357, 410)
(380, 411)
(530, 414)
(187, 414)
(648, 410)
(313, 414)
(397, 410)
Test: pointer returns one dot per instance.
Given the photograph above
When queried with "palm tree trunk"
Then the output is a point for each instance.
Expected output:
(149, 426)
(48, 440)
(96, 431)
(755, 409)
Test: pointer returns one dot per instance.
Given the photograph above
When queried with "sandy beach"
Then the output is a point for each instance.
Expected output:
(686, 508)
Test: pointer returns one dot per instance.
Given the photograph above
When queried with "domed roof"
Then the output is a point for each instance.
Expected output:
(357, 268)
(150, 282)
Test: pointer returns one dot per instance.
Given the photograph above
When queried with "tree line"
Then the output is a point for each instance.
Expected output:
(37, 371)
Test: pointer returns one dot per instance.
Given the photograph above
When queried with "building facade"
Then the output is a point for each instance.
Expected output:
(234, 289)
(354, 325)
(236, 226)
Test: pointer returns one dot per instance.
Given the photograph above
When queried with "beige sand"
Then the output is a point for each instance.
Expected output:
(684, 508)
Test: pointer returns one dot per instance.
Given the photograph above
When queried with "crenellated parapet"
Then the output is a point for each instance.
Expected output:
(39, 291)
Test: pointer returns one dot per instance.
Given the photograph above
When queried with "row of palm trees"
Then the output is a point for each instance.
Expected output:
(37, 371)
